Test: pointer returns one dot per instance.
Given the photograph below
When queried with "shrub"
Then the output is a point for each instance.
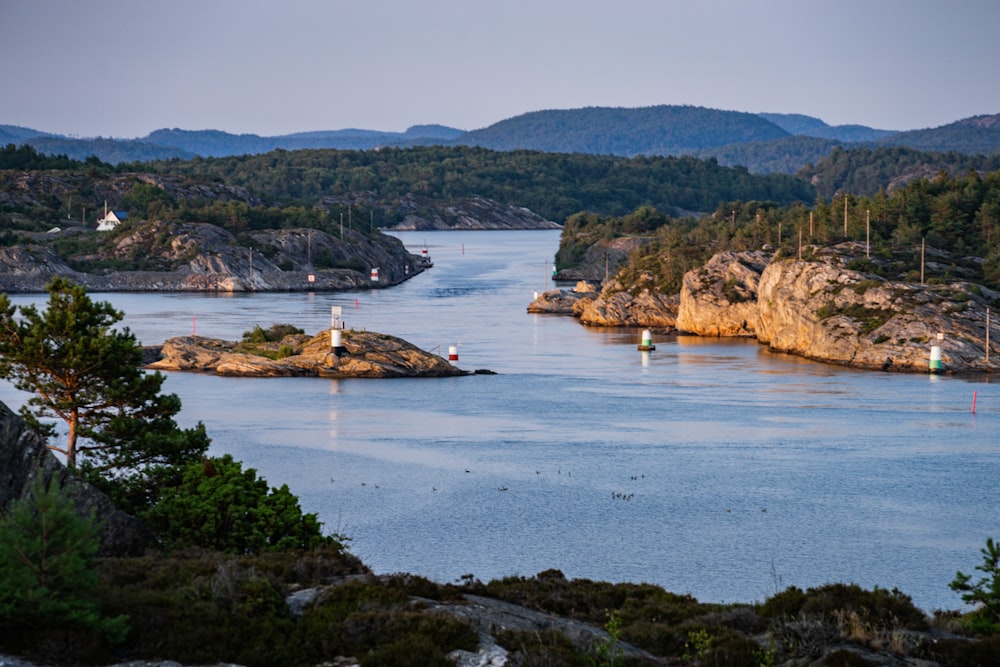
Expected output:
(218, 505)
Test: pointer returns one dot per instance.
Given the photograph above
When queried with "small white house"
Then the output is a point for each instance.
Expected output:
(111, 220)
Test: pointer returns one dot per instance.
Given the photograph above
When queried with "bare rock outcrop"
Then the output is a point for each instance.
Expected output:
(720, 298)
(562, 302)
(624, 309)
(24, 456)
(823, 311)
(365, 354)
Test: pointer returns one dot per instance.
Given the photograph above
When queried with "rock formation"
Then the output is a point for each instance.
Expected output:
(622, 308)
(24, 456)
(562, 302)
(421, 213)
(817, 308)
(720, 298)
(826, 312)
(365, 355)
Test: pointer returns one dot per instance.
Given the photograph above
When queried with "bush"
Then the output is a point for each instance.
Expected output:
(218, 505)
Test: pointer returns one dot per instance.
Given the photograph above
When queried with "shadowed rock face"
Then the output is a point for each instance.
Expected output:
(24, 456)
(365, 355)
(200, 257)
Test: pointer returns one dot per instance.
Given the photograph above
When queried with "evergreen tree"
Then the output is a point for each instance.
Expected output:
(89, 375)
(47, 572)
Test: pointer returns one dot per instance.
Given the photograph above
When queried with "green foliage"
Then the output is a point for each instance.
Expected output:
(554, 185)
(218, 505)
(82, 371)
(984, 592)
(866, 171)
(608, 652)
(273, 334)
(47, 571)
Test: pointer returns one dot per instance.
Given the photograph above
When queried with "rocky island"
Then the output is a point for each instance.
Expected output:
(362, 354)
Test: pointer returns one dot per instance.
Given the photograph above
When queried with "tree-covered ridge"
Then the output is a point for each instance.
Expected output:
(26, 157)
(979, 134)
(554, 185)
(656, 130)
(958, 218)
(808, 126)
(786, 155)
(867, 171)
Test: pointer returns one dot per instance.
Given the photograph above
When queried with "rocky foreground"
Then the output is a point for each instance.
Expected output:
(817, 308)
(363, 354)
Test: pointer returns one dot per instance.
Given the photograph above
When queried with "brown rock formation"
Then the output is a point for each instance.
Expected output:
(562, 302)
(720, 298)
(825, 312)
(365, 355)
(623, 309)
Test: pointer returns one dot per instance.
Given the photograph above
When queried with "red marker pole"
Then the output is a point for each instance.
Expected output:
(355, 303)
(973, 401)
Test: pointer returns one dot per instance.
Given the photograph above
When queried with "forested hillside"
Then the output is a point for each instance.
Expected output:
(979, 134)
(807, 126)
(658, 130)
(958, 220)
(867, 171)
(779, 156)
(554, 185)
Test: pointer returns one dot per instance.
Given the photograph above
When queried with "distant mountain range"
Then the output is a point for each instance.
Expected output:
(764, 142)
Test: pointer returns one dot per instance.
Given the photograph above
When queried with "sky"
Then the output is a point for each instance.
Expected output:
(123, 68)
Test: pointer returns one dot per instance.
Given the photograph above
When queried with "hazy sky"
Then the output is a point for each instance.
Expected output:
(123, 68)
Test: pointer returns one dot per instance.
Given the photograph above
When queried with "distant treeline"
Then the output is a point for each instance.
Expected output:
(554, 185)
(25, 157)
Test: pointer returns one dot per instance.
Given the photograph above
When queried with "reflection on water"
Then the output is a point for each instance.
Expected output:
(738, 463)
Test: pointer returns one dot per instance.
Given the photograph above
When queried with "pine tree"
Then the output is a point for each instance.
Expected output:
(88, 374)
(47, 571)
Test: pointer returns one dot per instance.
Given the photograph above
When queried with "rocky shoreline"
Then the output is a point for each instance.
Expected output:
(200, 257)
(816, 308)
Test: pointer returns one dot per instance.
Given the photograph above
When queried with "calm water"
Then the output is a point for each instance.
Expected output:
(708, 467)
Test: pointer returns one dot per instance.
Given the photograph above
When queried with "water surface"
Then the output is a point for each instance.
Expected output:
(709, 467)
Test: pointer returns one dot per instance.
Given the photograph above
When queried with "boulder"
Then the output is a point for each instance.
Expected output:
(559, 302)
(25, 456)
